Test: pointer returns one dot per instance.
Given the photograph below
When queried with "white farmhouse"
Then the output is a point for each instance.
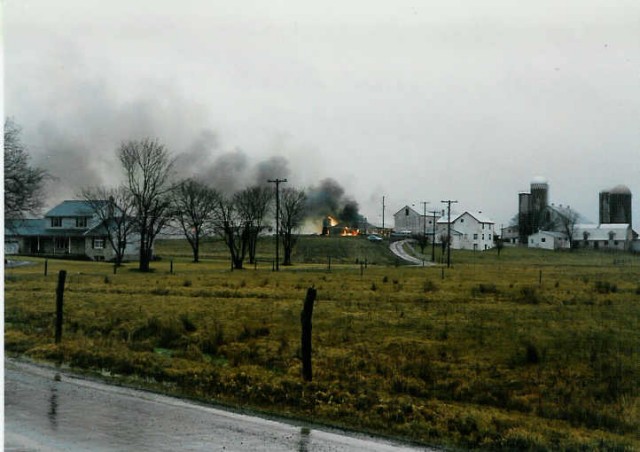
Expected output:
(469, 231)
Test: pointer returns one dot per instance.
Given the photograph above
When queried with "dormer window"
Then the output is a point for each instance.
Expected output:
(81, 222)
(56, 222)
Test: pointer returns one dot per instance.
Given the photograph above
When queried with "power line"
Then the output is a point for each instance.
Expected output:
(277, 182)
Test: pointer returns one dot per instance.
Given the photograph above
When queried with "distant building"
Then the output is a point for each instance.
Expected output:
(615, 205)
(612, 236)
(548, 240)
(70, 229)
(532, 207)
(469, 231)
(510, 234)
(408, 219)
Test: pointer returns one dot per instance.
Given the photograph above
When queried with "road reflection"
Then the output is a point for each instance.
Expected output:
(54, 411)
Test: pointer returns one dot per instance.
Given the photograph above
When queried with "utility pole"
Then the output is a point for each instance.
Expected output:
(433, 239)
(277, 182)
(424, 224)
(449, 202)
(383, 216)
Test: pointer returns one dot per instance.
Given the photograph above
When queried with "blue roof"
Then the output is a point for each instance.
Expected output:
(25, 227)
(71, 209)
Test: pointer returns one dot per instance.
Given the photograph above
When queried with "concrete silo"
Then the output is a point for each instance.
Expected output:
(524, 216)
(615, 205)
(539, 202)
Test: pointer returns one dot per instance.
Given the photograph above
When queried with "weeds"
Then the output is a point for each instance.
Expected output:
(605, 287)
(501, 371)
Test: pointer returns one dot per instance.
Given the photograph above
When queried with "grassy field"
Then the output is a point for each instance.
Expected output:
(531, 350)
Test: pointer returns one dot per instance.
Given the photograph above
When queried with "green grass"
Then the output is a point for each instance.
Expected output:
(489, 357)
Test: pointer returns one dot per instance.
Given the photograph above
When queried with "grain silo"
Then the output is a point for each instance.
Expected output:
(539, 201)
(524, 216)
(615, 205)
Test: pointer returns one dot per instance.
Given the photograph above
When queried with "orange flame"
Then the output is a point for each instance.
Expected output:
(350, 232)
(332, 221)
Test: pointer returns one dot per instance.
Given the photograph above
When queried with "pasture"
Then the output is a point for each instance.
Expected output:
(529, 350)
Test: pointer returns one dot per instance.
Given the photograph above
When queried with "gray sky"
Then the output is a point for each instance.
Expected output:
(415, 100)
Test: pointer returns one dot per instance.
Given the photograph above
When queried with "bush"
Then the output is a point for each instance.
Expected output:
(605, 287)
(429, 286)
(529, 295)
(187, 323)
(484, 289)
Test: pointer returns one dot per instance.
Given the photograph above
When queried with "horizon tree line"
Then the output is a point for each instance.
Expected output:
(151, 200)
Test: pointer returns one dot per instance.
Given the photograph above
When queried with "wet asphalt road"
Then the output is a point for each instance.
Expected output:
(50, 411)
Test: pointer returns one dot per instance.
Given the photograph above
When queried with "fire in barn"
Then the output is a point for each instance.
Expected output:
(339, 213)
(350, 224)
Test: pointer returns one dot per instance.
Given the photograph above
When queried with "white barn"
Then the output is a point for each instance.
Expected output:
(608, 236)
(548, 240)
(408, 219)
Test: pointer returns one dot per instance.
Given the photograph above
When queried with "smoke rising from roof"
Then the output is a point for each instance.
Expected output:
(328, 198)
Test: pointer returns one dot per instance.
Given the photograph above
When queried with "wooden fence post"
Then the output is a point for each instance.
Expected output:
(59, 304)
(46, 266)
(305, 319)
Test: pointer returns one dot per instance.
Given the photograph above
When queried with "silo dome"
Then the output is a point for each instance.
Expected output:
(539, 180)
(620, 190)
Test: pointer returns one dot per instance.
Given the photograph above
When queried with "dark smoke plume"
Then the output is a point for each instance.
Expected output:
(272, 168)
(328, 198)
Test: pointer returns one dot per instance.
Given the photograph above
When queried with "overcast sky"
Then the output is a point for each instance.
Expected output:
(414, 100)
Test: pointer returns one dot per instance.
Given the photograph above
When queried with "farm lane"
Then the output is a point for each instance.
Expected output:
(397, 248)
(50, 410)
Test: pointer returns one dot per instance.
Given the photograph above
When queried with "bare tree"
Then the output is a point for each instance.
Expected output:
(422, 240)
(229, 224)
(114, 209)
(253, 204)
(193, 204)
(292, 215)
(148, 168)
(23, 183)
(567, 220)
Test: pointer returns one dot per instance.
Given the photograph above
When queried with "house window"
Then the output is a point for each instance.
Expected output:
(56, 222)
(475, 236)
(98, 244)
(461, 220)
(482, 236)
(406, 211)
(543, 239)
(60, 243)
(615, 243)
(81, 222)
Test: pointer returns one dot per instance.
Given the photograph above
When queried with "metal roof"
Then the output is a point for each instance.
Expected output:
(22, 227)
(72, 208)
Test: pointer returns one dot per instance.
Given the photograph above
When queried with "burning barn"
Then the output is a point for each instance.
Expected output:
(334, 227)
